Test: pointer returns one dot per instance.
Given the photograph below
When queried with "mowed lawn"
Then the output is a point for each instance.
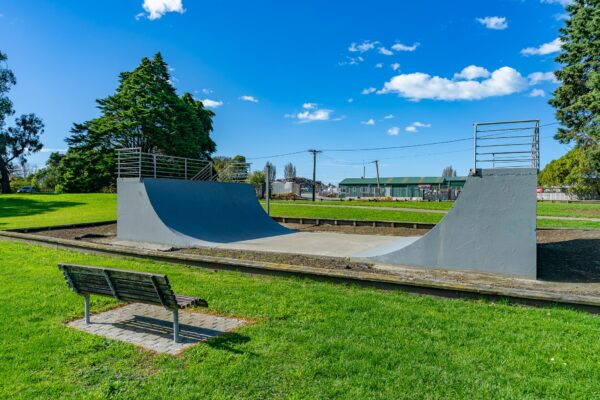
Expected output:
(26, 211)
(35, 210)
(307, 340)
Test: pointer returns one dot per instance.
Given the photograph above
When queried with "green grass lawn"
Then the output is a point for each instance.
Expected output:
(543, 208)
(26, 211)
(310, 340)
(33, 210)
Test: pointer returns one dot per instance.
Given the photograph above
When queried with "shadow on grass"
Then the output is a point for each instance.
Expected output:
(14, 207)
(576, 260)
(228, 342)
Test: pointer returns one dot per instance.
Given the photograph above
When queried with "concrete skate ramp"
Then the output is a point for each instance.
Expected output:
(491, 228)
(187, 213)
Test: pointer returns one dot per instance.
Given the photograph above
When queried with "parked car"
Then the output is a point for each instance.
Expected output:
(26, 189)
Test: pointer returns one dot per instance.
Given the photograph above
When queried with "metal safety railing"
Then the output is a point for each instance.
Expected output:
(507, 144)
(133, 163)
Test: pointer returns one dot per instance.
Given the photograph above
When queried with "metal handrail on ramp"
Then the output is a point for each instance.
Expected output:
(134, 163)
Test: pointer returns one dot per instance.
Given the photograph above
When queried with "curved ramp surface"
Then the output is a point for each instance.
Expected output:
(188, 213)
(491, 228)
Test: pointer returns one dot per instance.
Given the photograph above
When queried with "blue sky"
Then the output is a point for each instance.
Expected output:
(286, 76)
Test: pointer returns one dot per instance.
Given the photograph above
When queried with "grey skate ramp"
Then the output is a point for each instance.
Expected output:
(491, 228)
(188, 213)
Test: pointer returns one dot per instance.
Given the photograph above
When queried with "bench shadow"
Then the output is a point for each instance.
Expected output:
(22, 207)
(162, 328)
(576, 261)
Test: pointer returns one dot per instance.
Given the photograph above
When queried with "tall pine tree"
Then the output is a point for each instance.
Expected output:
(144, 112)
(577, 99)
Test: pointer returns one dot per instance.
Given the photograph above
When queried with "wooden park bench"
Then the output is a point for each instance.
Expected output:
(127, 286)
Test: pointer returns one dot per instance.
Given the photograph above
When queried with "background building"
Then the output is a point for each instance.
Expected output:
(404, 188)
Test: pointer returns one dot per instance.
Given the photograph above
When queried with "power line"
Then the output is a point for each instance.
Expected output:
(277, 155)
(380, 148)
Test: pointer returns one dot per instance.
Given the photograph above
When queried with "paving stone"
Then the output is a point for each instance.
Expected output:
(151, 327)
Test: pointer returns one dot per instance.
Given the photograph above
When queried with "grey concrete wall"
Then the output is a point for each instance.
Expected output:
(491, 228)
(187, 213)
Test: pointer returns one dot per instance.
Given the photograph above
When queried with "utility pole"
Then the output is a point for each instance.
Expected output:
(268, 189)
(314, 186)
(377, 171)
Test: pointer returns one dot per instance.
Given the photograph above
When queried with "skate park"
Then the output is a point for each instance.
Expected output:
(490, 229)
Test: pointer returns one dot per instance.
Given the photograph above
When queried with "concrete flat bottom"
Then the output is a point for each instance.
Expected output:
(151, 327)
(315, 243)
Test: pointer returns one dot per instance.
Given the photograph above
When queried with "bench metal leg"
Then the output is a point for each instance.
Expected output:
(176, 325)
(87, 308)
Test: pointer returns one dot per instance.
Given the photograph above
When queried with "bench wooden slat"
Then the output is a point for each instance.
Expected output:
(128, 286)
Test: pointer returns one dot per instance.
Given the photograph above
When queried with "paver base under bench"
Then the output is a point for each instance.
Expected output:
(150, 327)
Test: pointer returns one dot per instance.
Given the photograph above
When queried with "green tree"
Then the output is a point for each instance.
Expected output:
(577, 99)
(144, 112)
(573, 171)
(21, 140)
(49, 177)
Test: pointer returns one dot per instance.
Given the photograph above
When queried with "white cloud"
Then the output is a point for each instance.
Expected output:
(395, 66)
(385, 52)
(496, 23)
(212, 103)
(393, 131)
(537, 93)
(403, 47)
(368, 90)
(350, 100)
(472, 72)
(312, 114)
(419, 85)
(538, 77)
(158, 8)
(47, 149)
(352, 61)
(561, 16)
(207, 91)
(370, 121)
(546, 48)
(561, 2)
(389, 116)
(251, 99)
(413, 127)
(421, 124)
(362, 47)
(379, 65)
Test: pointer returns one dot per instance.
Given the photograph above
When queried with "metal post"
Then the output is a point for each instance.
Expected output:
(475, 148)
(140, 164)
(268, 189)
(87, 308)
(176, 325)
(154, 163)
(185, 167)
(377, 171)
(118, 163)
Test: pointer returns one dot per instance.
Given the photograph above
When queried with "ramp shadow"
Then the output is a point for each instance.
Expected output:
(576, 260)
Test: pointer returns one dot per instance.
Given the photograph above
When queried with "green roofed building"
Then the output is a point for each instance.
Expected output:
(405, 188)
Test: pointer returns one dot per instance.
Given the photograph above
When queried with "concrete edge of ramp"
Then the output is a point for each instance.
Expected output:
(491, 228)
